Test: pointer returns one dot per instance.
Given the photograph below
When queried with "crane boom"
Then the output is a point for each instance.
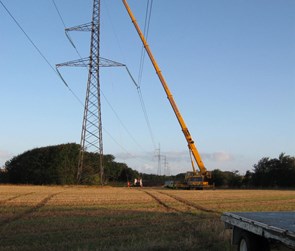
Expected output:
(187, 135)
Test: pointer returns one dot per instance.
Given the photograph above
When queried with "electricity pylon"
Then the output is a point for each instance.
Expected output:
(91, 135)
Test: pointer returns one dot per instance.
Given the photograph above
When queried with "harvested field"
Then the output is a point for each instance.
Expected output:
(95, 218)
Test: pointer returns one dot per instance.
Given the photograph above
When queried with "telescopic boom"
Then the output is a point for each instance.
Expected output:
(191, 145)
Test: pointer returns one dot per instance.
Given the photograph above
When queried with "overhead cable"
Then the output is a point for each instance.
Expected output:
(143, 107)
(114, 30)
(27, 36)
(146, 117)
(148, 15)
(64, 25)
(55, 70)
(85, 64)
(37, 49)
(57, 10)
(137, 85)
(122, 124)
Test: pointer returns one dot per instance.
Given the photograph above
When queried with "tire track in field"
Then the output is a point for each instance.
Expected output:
(14, 197)
(29, 211)
(188, 203)
(161, 203)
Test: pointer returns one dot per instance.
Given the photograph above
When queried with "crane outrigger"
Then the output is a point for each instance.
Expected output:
(194, 179)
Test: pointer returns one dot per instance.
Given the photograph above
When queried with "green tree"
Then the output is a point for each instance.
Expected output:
(218, 178)
(247, 180)
(4, 178)
(58, 165)
(46, 165)
(278, 172)
(234, 180)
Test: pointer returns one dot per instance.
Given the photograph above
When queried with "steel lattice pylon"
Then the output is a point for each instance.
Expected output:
(91, 136)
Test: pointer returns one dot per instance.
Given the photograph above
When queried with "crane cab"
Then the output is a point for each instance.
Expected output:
(195, 181)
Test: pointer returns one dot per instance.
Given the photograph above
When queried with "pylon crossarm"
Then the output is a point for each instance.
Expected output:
(82, 27)
(103, 62)
(83, 62)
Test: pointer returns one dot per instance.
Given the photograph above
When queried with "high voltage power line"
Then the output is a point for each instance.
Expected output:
(148, 15)
(138, 84)
(69, 88)
(142, 103)
(108, 102)
(147, 21)
(38, 50)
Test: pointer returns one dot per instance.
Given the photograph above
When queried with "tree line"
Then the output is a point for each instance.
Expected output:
(267, 173)
(58, 165)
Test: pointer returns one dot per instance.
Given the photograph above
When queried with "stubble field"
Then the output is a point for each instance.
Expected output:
(95, 218)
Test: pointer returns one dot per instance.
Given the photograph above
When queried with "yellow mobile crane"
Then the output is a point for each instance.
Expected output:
(194, 179)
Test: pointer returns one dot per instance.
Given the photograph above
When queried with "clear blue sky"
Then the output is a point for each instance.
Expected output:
(230, 65)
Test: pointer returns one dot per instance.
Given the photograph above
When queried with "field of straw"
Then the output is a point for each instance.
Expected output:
(95, 218)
